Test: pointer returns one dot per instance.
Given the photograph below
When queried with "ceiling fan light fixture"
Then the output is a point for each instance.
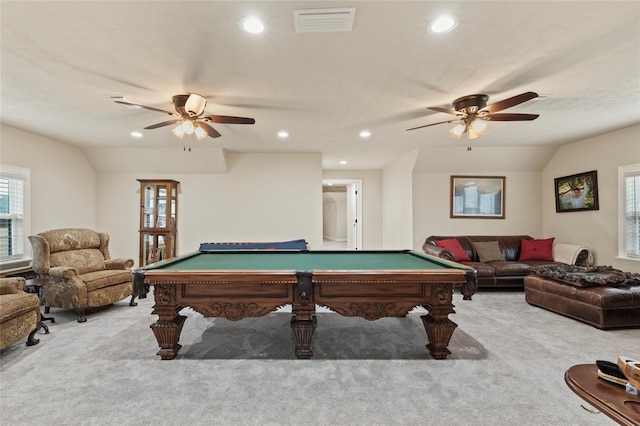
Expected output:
(200, 133)
(479, 126)
(187, 127)
(472, 134)
(458, 130)
(195, 105)
(178, 131)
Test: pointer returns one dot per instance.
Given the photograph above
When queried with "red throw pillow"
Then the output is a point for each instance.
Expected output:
(454, 247)
(536, 249)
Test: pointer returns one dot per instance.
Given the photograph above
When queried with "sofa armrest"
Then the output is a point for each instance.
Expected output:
(12, 285)
(119, 263)
(438, 251)
(71, 288)
(66, 272)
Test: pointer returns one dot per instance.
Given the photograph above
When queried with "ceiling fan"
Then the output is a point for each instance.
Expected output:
(189, 117)
(472, 111)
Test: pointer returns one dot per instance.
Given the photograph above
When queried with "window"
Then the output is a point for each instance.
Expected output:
(629, 211)
(14, 217)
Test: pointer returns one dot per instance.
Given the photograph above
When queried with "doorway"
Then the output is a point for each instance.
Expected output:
(342, 214)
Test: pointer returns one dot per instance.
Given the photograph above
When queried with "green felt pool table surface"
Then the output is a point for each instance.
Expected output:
(304, 261)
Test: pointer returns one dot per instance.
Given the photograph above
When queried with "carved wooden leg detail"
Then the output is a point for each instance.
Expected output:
(439, 331)
(168, 334)
(31, 340)
(303, 333)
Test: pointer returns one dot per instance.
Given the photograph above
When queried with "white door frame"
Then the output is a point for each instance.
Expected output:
(354, 214)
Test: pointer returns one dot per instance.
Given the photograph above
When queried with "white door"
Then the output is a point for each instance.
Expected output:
(350, 211)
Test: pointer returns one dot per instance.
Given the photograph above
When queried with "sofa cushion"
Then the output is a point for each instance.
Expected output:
(509, 268)
(83, 260)
(536, 249)
(488, 251)
(455, 248)
(101, 279)
(14, 305)
(509, 244)
(482, 269)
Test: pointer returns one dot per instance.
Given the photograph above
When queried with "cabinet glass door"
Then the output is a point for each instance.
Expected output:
(162, 207)
(148, 212)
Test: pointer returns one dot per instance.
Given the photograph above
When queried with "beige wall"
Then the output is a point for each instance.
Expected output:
(431, 201)
(263, 197)
(63, 184)
(595, 229)
(397, 201)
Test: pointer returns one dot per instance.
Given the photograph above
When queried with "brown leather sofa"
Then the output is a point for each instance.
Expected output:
(500, 273)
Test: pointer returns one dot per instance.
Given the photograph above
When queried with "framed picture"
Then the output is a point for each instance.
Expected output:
(577, 192)
(478, 197)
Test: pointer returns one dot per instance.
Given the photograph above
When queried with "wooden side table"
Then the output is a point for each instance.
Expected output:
(35, 285)
(609, 398)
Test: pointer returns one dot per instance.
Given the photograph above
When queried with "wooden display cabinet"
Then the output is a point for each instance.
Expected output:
(158, 220)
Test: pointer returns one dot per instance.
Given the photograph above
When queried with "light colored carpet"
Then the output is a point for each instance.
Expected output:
(506, 368)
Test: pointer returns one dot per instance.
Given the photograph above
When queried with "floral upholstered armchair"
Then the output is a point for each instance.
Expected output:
(19, 312)
(89, 278)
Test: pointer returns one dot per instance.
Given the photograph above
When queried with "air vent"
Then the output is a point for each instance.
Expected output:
(324, 20)
(123, 98)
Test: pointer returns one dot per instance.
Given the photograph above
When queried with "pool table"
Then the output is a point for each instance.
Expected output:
(240, 284)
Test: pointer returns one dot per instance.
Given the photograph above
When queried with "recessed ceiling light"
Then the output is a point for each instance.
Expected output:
(252, 25)
(283, 134)
(443, 24)
(365, 134)
(343, 162)
(136, 134)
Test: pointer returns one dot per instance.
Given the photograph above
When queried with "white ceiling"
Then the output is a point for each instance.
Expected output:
(60, 59)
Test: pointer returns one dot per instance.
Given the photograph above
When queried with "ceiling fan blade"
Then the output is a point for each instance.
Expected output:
(164, 123)
(510, 102)
(429, 125)
(210, 130)
(446, 110)
(509, 117)
(226, 119)
(147, 107)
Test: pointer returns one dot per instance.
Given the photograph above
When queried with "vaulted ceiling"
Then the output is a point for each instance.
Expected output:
(61, 61)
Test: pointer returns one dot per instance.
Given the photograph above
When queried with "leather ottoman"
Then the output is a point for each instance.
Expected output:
(598, 300)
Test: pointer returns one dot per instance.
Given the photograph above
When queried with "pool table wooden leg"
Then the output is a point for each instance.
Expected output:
(168, 327)
(168, 334)
(439, 330)
(303, 318)
(303, 333)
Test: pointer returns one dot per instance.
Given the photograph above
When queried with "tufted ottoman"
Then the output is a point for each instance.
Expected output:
(602, 297)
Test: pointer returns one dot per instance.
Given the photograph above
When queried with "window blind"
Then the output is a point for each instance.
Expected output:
(11, 217)
(632, 213)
